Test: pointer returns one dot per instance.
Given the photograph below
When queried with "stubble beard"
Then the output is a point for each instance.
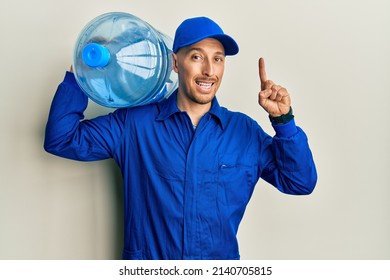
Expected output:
(202, 101)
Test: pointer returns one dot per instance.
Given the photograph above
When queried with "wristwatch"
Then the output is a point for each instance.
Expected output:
(283, 118)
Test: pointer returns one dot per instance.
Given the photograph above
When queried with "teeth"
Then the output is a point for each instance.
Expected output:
(205, 85)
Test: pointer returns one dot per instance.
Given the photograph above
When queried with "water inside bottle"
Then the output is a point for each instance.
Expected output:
(139, 70)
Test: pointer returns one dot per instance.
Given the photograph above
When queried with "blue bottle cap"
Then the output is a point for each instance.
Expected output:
(95, 55)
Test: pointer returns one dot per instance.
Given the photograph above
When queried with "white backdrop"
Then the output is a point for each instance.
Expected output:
(333, 57)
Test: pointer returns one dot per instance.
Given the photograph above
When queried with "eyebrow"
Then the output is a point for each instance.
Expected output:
(202, 50)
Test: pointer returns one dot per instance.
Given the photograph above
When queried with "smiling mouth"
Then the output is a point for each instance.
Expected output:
(205, 85)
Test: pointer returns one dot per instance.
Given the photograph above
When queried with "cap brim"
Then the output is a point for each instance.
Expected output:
(229, 44)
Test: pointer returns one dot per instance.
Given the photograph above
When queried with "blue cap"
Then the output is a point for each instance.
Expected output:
(193, 30)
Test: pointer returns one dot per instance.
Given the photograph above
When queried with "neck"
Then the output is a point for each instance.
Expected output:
(194, 110)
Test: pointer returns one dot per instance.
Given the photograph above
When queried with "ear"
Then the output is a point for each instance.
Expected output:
(174, 62)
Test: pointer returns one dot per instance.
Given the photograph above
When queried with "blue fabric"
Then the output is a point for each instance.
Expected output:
(193, 30)
(185, 190)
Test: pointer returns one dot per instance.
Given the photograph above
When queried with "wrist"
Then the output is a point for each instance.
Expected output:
(283, 118)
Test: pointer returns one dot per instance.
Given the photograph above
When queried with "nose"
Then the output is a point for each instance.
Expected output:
(208, 68)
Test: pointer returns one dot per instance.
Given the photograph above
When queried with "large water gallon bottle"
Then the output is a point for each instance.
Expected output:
(120, 60)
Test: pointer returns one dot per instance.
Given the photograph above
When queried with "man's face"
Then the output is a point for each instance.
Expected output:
(200, 69)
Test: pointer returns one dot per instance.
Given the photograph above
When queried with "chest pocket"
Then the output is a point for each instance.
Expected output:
(228, 181)
(237, 178)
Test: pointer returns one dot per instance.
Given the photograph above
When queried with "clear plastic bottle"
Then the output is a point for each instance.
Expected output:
(121, 61)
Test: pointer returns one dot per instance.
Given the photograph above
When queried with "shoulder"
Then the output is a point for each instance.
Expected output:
(237, 118)
(143, 111)
(138, 114)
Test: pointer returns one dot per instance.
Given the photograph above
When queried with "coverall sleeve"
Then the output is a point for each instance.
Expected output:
(288, 160)
(68, 135)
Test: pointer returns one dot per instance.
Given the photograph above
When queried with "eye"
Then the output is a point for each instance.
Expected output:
(196, 57)
(219, 59)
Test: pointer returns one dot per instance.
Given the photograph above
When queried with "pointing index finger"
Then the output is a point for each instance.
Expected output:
(262, 73)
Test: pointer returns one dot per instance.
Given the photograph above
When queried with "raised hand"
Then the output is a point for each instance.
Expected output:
(275, 99)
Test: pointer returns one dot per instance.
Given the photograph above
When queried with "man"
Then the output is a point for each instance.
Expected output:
(189, 165)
